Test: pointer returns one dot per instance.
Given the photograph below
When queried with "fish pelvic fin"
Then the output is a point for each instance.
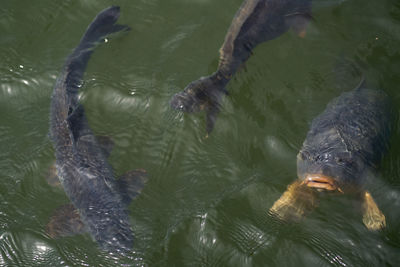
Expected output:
(295, 202)
(65, 221)
(373, 217)
(131, 184)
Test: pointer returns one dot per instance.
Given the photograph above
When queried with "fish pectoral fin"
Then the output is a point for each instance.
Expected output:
(211, 116)
(373, 218)
(52, 177)
(116, 28)
(295, 202)
(131, 184)
(65, 222)
(298, 22)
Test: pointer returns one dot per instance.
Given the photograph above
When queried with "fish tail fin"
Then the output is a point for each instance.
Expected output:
(65, 101)
(102, 26)
(202, 94)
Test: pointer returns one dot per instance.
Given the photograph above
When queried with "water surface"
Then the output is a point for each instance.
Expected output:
(206, 201)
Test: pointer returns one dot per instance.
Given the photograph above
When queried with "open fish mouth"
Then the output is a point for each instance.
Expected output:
(321, 182)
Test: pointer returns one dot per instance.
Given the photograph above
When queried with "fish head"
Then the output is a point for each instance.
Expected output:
(195, 97)
(331, 172)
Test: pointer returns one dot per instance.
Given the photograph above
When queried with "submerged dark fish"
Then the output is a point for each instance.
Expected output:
(343, 147)
(99, 201)
(255, 22)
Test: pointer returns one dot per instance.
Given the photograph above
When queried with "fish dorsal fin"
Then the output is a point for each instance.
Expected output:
(298, 22)
(80, 128)
(77, 121)
(65, 221)
(131, 184)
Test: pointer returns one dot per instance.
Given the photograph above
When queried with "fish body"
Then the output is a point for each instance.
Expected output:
(255, 22)
(81, 164)
(258, 21)
(347, 141)
(343, 147)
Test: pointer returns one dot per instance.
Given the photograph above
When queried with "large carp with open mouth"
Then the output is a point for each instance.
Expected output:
(255, 22)
(343, 147)
(99, 201)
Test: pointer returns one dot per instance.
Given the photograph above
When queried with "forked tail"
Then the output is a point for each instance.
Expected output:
(65, 105)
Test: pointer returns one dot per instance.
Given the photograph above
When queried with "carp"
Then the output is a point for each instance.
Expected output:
(99, 201)
(255, 22)
(343, 147)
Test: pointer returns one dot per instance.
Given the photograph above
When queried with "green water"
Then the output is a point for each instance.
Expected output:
(206, 201)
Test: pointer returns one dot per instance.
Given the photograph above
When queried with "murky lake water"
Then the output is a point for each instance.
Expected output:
(207, 200)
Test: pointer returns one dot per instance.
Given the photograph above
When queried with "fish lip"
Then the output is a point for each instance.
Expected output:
(319, 181)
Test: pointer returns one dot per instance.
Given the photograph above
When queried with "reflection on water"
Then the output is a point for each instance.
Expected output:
(207, 199)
